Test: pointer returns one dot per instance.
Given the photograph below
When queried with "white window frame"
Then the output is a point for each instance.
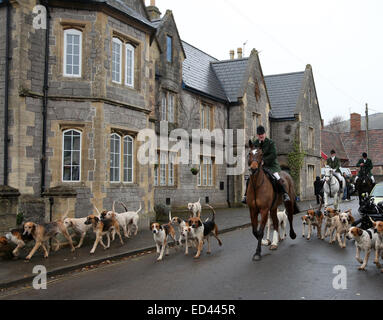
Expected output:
(163, 168)
(171, 169)
(128, 139)
(205, 175)
(170, 107)
(63, 151)
(77, 33)
(119, 42)
(171, 49)
(164, 107)
(129, 48)
(119, 158)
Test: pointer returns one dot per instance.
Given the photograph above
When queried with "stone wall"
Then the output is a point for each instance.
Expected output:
(3, 20)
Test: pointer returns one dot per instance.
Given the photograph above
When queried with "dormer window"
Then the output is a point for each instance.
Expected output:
(72, 53)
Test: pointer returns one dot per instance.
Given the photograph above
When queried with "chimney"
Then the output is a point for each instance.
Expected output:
(153, 11)
(355, 122)
(239, 52)
(231, 54)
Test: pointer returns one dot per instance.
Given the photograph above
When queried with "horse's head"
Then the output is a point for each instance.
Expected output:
(328, 173)
(255, 158)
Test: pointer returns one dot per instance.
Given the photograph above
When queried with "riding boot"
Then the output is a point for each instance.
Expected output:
(282, 190)
(244, 199)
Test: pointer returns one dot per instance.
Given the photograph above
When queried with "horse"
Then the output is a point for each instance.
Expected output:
(261, 198)
(363, 184)
(332, 188)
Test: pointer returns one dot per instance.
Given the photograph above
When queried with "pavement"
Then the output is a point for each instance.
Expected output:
(18, 272)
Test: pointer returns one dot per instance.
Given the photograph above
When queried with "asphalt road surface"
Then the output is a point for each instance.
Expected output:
(299, 269)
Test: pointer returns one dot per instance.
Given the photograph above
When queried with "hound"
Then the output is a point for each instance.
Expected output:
(17, 237)
(195, 208)
(330, 214)
(127, 220)
(41, 233)
(181, 224)
(282, 224)
(160, 235)
(341, 225)
(79, 226)
(364, 241)
(103, 227)
(201, 230)
(378, 227)
(315, 220)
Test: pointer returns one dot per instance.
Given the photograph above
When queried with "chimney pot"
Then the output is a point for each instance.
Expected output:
(153, 11)
(239, 51)
(231, 54)
(153, 3)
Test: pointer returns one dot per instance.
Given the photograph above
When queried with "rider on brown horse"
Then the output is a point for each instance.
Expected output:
(270, 161)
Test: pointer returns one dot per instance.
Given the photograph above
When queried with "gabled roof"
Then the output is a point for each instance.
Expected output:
(139, 13)
(331, 140)
(231, 74)
(198, 73)
(284, 91)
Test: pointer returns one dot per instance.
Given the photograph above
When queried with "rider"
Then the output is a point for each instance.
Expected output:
(334, 163)
(365, 165)
(270, 161)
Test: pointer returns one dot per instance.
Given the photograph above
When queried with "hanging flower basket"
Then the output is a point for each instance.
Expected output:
(194, 171)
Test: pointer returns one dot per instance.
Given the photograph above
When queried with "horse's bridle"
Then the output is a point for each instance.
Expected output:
(255, 171)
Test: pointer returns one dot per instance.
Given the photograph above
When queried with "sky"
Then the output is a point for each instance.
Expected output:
(341, 39)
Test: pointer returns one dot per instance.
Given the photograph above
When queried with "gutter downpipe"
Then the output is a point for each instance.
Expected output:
(45, 100)
(228, 177)
(6, 93)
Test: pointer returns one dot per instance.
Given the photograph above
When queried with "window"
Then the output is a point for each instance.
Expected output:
(205, 176)
(311, 141)
(168, 107)
(257, 121)
(128, 159)
(206, 117)
(164, 171)
(72, 53)
(310, 175)
(129, 76)
(124, 164)
(71, 156)
(169, 49)
(116, 60)
(115, 154)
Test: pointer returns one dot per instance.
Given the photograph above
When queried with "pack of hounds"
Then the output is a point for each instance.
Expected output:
(108, 223)
(338, 226)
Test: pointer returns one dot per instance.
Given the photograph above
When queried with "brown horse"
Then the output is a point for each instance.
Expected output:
(261, 198)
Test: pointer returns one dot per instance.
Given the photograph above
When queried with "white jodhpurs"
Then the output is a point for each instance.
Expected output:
(276, 175)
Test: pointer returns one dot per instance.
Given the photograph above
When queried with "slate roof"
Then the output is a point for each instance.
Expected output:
(284, 91)
(198, 73)
(231, 74)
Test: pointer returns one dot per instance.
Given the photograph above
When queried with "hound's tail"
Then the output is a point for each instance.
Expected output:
(65, 215)
(126, 209)
(170, 216)
(139, 210)
(213, 219)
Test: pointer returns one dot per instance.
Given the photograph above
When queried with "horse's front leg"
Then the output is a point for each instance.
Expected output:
(325, 199)
(267, 241)
(274, 217)
(260, 233)
(254, 221)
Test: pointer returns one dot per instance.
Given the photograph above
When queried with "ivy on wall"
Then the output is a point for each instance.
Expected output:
(295, 162)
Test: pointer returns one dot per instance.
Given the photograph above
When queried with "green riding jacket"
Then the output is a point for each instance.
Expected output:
(366, 168)
(269, 154)
(334, 164)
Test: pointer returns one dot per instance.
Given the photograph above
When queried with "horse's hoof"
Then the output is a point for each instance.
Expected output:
(273, 247)
(257, 257)
(293, 235)
(266, 243)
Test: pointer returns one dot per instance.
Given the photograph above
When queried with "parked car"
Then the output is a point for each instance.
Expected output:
(343, 170)
(377, 193)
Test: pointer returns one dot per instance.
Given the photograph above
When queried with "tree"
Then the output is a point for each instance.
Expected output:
(337, 124)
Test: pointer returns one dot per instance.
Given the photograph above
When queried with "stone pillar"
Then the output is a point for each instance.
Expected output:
(9, 207)
(60, 200)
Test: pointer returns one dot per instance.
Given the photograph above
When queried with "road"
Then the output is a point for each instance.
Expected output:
(299, 269)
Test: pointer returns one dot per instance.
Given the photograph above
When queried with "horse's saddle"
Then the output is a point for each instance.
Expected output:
(272, 179)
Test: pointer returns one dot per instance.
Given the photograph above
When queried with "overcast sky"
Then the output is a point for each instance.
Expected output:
(341, 39)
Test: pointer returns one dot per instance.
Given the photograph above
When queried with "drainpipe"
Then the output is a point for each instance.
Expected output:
(45, 100)
(6, 92)
(228, 177)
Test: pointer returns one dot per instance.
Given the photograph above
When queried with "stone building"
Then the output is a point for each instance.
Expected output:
(295, 116)
(72, 109)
